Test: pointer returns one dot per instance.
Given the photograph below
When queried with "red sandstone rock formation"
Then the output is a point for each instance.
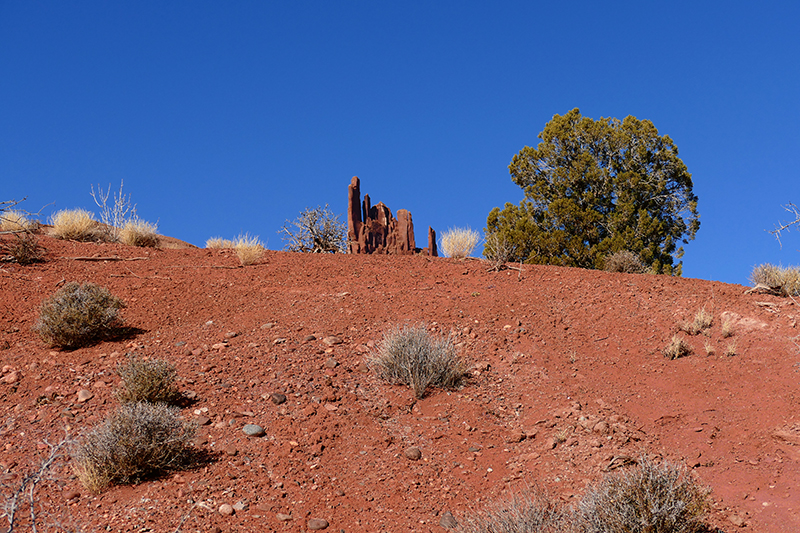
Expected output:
(373, 229)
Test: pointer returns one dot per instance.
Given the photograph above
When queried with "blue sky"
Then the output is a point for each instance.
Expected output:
(232, 117)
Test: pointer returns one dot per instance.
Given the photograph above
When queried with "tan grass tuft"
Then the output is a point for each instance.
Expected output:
(248, 249)
(730, 349)
(783, 280)
(75, 224)
(219, 243)
(14, 221)
(139, 233)
(677, 348)
(701, 323)
(459, 242)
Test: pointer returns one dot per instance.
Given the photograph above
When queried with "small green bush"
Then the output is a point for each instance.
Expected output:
(624, 261)
(136, 442)
(647, 498)
(783, 280)
(410, 355)
(525, 513)
(151, 381)
(77, 315)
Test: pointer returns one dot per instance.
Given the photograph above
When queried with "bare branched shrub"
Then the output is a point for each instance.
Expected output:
(524, 513)
(75, 224)
(77, 315)
(497, 251)
(151, 380)
(248, 249)
(136, 442)
(784, 281)
(412, 356)
(219, 243)
(138, 233)
(645, 498)
(459, 243)
(117, 214)
(23, 247)
(677, 348)
(315, 231)
(701, 322)
(624, 261)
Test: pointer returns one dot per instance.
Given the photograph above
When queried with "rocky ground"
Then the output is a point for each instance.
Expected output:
(568, 380)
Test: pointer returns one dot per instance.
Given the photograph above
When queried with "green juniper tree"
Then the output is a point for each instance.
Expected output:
(596, 187)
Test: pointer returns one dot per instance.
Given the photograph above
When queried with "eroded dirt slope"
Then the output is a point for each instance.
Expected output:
(568, 379)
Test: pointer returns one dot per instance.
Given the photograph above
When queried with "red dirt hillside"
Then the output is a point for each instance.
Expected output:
(568, 378)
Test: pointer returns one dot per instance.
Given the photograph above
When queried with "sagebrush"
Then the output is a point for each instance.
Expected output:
(647, 498)
(147, 380)
(412, 356)
(79, 314)
(459, 243)
(624, 261)
(532, 512)
(136, 442)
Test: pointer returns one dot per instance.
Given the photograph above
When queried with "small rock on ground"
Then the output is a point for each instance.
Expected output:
(317, 523)
(413, 453)
(253, 430)
(448, 521)
(226, 509)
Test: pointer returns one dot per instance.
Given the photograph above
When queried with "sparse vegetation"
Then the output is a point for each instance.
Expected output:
(459, 243)
(136, 442)
(784, 281)
(728, 327)
(117, 214)
(646, 498)
(709, 348)
(138, 233)
(730, 349)
(219, 243)
(315, 231)
(248, 249)
(77, 315)
(75, 224)
(13, 220)
(524, 513)
(151, 380)
(412, 356)
(624, 261)
(23, 247)
(677, 348)
(701, 322)
(497, 251)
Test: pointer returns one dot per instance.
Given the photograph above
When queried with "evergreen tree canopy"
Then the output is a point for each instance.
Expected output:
(596, 187)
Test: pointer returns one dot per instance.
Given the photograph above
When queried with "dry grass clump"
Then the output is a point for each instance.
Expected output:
(23, 247)
(784, 281)
(248, 249)
(624, 261)
(136, 442)
(701, 322)
(647, 498)
(728, 327)
(11, 220)
(459, 242)
(75, 224)
(730, 349)
(524, 513)
(138, 233)
(412, 356)
(677, 348)
(151, 380)
(77, 315)
(219, 243)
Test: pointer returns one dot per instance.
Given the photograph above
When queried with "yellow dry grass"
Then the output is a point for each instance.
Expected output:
(139, 233)
(459, 242)
(14, 221)
(248, 249)
(219, 243)
(74, 224)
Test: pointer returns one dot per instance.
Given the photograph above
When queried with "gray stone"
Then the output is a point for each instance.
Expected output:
(317, 523)
(253, 430)
(448, 521)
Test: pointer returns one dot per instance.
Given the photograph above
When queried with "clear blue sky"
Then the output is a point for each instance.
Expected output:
(231, 117)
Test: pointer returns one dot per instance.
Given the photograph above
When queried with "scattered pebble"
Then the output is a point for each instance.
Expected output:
(253, 430)
(231, 450)
(283, 517)
(413, 453)
(448, 521)
(241, 505)
(231, 334)
(226, 509)
(332, 340)
(331, 363)
(278, 398)
(309, 338)
(84, 395)
(71, 495)
(317, 523)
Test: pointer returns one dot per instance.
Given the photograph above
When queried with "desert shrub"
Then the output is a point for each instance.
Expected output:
(459, 242)
(136, 442)
(624, 261)
(11, 220)
(701, 322)
(315, 231)
(151, 380)
(23, 247)
(528, 513)
(117, 214)
(783, 280)
(138, 233)
(412, 356)
(646, 498)
(75, 224)
(248, 249)
(677, 348)
(77, 315)
(497, 251)
(219, 243)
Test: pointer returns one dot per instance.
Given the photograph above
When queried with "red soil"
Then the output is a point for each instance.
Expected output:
(556, 353)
